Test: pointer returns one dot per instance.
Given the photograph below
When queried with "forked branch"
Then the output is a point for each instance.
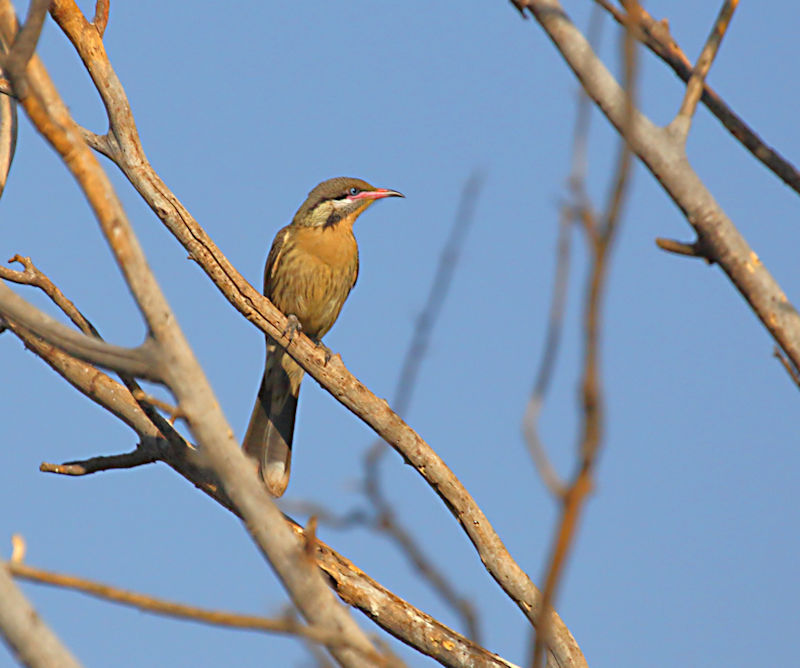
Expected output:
(125, 149)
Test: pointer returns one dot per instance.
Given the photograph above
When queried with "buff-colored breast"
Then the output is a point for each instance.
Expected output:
(315, 272)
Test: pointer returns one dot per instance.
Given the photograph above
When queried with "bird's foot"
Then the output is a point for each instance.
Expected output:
(327, 351)
(292, 327)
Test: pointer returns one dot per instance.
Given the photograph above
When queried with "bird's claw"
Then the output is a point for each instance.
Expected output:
(292, 327)
(327, 351)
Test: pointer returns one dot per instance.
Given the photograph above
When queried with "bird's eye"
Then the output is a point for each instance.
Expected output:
(354, 191)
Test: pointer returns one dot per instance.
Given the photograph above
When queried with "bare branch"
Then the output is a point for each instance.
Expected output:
(127, 460)
(601, 235)
(681, 248)
(530, 418)
(355, 587)
(396, 616)
(181, 370)
(656, 36)
(161, 606)
(31, 640)
(32, 276)
(24, 45)
(694, 88)
(386, 522)
(664, 155)
(576, 210)
(142, 362)
(331, 374)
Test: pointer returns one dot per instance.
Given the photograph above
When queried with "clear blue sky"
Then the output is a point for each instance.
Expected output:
(688, 550)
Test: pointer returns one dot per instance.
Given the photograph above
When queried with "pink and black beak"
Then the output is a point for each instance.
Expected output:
(375, 193)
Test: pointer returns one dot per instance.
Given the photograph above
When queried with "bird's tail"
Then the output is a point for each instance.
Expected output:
(269, 435)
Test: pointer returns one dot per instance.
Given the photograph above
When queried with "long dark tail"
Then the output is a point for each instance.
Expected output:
(269, 435)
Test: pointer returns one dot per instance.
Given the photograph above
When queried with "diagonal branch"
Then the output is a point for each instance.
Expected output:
(694, 88)
(24, 44)
(161, 606)
(571, 212)
(663, 153)
(31, 640)
(656, 37)
(182, 373)
(126, 150)
(143, 362)
(396, 616)
(31, 275)
(600, 236)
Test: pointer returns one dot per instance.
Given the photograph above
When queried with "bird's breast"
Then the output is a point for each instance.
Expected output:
(317, 269)
(334, 246)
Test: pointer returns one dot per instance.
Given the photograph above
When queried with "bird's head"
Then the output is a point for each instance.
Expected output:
(337, 199)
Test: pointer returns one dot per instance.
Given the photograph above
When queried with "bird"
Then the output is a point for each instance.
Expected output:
(311, 268)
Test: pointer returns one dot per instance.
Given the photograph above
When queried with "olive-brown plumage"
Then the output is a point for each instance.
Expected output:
(310, 270)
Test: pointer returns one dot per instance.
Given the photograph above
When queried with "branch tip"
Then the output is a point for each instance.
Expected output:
(18, 548)
(100, 20)
(695, 249)
(791, 369)
(520, 6)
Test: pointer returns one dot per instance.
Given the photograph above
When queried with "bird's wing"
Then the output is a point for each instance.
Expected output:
(274, 257)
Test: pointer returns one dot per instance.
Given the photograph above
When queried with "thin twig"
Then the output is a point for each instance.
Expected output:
(332, 374)
(555, 321)
(167, 608)
(655, 36)
(694, 249)
(694, 88)
(601, 235)
(356, 588)
(578, 208)
(181, 371)
(31, 275)
(793, 372)
(127, 460)
(143, 361)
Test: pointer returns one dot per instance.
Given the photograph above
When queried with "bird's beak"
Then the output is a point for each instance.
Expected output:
(378, 193)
